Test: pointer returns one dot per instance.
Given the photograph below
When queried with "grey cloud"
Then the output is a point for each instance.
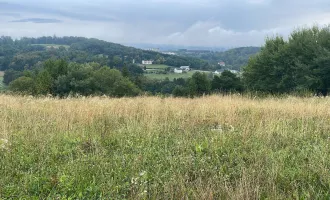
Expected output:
(190, 22)
(38, 20)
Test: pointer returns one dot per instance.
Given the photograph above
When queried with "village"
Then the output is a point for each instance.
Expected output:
(160, 71)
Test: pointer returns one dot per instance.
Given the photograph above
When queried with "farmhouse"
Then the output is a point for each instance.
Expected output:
(185, 68)
(178, 71)
(222, 64)
(217, 72)
(147, 62)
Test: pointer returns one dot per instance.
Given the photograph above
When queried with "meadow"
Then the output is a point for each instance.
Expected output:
(170, 76)
(216, 147)
(157, 66)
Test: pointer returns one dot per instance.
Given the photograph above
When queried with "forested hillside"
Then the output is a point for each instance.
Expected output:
(26, 53)
(234, 58)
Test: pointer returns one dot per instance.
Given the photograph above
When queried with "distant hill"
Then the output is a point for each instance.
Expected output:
(233, 58)
(26, 53)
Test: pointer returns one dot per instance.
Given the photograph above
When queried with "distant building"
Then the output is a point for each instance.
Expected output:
(178, 71)
(169, 53)
(153, 49)
(234, 71)
(222, 64)
(185, 68)
(217, 72)
(147, 62)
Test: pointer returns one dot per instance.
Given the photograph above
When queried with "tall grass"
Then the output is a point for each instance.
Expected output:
(214, 147)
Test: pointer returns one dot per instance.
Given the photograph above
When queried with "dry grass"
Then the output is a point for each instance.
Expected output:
(215, 147)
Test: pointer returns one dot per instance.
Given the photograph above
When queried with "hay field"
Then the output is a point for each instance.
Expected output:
(229, 147)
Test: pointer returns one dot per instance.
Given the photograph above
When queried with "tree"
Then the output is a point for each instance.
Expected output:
(112, 83)
(43, 83)
(227, 82)
(199, 84)
(10, 75)
(180, 91)
(23, 85)
(293, 65)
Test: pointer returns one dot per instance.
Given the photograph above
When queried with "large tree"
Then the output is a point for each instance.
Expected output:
(299, 63)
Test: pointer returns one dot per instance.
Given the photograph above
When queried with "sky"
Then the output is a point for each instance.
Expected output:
(213, 23)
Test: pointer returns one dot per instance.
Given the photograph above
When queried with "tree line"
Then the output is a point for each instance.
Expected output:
(301, 63)
(62, 78)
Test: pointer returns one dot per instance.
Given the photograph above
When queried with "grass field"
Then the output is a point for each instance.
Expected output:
(157, 66)
(171, 76)
(214, 147)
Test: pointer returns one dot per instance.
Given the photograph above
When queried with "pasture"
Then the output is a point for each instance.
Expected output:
(156, 66)
(170, 76)
(216, 147)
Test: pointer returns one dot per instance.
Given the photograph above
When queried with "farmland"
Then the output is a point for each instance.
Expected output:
(157, 66)
(228, 147)
(172, 76)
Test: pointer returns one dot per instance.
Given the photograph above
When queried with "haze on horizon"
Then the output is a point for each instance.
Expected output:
(173, 22)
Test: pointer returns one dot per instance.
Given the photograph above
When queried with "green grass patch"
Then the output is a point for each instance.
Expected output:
(157, 66)
(170, 76)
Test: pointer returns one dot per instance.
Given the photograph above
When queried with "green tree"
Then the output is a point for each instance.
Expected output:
(199, 84)
(227, 82)
(43, 83)
(23, 85)
(10, 75)
(180, 91)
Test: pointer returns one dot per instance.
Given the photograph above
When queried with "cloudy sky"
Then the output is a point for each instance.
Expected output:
(181, 22)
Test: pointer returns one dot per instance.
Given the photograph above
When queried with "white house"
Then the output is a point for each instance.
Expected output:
(147, 62)
(217, 72)
(234, 71)
(178, 71)
(222, 64)
(185, 68)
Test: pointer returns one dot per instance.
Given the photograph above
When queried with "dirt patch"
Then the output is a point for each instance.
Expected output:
(2, 73)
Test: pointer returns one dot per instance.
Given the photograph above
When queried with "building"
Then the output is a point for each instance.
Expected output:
(178, 71)
(147, 62)
(234, 71)
(169, 53)
(185, 68)
(222, 64)
(153, 49)
(217, 72)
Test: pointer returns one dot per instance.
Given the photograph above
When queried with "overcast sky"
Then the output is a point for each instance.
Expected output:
(182, 22)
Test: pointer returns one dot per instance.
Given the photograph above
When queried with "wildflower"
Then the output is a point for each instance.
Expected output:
(4, 143)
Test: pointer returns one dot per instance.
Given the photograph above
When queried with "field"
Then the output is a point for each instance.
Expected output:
(217, 147)
(171, 76)
(157, 66)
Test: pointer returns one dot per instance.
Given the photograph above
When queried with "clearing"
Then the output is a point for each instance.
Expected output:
(172, 76)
